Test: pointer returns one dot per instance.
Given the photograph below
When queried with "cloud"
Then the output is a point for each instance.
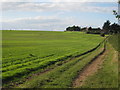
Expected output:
(59, 0)
(17, 0)
(39, 22)
(83, 1)
(55, 21)
(52, 23)
(48, 7)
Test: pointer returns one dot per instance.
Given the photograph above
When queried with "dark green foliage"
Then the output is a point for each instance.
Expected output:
(110, 28)
(106, 27)
(102, 34)
(116, 14)
(83, 29)
(115, 28)
(93, 30)
(90, 28)
(73, 28)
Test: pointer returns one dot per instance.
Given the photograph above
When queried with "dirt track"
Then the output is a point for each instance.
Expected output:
(89, 70)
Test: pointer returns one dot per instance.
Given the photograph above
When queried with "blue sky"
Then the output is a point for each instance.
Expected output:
(56, 15)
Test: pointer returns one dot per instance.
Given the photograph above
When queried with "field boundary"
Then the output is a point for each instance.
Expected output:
(93, 49)
(86, 67)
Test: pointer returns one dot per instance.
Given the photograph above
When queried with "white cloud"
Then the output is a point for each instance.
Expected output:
(59, 0)
(48, 22)
(39, 22)
(44, 7)
(51, 23)
(17, 0)
(83, 0)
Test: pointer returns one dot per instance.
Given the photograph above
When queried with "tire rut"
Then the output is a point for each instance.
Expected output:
(89, 69)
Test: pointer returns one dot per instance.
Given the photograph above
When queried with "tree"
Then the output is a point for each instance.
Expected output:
(73, 28)
(115, 28)
(117, 14)
(90, 28)
(102, 34)
(83, 29)
(106, 27)
(68, 29)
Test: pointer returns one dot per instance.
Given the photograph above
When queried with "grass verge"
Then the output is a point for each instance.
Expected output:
(107, 76)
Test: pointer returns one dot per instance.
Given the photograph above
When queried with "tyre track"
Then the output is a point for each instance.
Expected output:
(93, 66)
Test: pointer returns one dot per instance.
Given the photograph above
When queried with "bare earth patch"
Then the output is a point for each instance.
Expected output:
(89, 70)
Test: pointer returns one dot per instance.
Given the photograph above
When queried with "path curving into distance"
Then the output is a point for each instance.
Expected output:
(90, 69)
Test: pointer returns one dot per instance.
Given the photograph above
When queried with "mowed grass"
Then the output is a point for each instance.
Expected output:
(107, 76)
(27, 51)
(115, 41)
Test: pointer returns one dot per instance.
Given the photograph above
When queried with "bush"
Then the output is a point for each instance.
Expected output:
(102, 34)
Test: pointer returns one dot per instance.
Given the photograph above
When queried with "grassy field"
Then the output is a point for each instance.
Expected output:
(115, 41)
(107, 76)
(25, 52)
(61, 76)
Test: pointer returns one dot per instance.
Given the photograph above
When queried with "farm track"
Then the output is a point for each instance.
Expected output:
(50, 69)
(90, 69)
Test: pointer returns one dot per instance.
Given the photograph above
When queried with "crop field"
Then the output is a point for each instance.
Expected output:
(29, 52)
(61, 76)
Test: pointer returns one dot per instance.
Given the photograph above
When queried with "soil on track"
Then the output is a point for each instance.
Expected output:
(89, 70)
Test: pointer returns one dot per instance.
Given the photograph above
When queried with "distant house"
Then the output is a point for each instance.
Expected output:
(91, 30)
(86, 29)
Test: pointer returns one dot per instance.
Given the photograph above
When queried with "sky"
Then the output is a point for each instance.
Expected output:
(56, 15)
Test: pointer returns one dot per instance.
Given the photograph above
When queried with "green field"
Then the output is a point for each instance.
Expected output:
(26, 53)
(61, 76)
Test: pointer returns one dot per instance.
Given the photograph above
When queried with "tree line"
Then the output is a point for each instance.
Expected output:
(107, 28)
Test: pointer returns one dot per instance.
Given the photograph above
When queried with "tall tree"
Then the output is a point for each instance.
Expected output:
(117, 14)
(106, 26)
(115, 28)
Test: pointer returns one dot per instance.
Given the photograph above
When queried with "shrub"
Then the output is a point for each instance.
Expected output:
(102, 34)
